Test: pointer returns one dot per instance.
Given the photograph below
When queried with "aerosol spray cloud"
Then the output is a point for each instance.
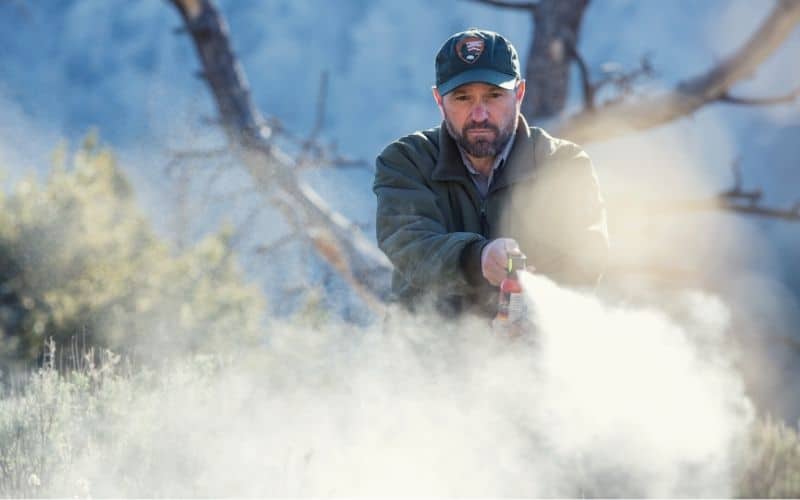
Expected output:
(599, 401)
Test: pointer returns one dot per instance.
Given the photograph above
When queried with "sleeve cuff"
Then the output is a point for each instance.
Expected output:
(471, 261)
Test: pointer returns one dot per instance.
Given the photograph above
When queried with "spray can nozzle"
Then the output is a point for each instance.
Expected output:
(516, 262)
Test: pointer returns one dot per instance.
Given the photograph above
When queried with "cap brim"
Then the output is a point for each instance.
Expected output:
(483, 75)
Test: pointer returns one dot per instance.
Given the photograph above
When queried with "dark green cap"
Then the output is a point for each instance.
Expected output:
(476, 55)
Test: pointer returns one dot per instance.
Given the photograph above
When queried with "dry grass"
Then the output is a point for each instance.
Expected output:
(106, 429)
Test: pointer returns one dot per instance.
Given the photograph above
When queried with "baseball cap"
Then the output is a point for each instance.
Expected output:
(476, 55)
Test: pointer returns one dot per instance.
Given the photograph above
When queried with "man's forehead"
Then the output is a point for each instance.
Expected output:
(476, 87)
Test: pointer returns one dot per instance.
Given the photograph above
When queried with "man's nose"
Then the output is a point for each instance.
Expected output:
(479, 113)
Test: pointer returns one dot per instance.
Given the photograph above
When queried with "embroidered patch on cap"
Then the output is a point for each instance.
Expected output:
(469, 49)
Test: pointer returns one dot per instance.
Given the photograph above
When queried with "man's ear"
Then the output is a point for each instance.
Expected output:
(439, 99)
(520, 91)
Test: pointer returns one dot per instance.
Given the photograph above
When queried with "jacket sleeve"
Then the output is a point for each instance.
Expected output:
(579, 241)
(412, 229)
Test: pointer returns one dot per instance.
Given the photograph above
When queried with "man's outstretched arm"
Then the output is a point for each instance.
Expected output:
(411, 229)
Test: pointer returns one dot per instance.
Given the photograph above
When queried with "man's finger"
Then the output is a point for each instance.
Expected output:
(494, 259)
(498, 259)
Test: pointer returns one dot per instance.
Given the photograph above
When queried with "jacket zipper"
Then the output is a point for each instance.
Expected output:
(484, 219)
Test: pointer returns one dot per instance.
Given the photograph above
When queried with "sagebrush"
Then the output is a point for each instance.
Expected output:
(109, 430)
(79, 260)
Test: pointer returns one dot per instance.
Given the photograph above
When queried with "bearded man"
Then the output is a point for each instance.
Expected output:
(455, 200)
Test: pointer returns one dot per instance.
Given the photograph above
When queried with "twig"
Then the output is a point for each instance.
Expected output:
(734, 199)
(311, 151)
(216, 173)
(233, 195)
(185, 165)
(345, 162)
(322, 99)
(736, 170)
(673, 274)
(720, 202)
(760, 101)
(586, 84)
(736, 192)
(625, 81)
(275, 245)
(211, 121)
(289, 212)
(239, 232)
(529, 6)
(201, 154)
(791, 214)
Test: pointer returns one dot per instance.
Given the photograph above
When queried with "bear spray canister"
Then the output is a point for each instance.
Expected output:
(511, 306)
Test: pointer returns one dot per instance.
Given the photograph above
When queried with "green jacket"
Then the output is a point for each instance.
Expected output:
(432, 222)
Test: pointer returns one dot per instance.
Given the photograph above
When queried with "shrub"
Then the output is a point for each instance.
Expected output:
(95, 429)
(186, 428)
(772, 467)
(78, 259)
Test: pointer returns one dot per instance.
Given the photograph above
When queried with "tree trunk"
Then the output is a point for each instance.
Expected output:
(557, 25)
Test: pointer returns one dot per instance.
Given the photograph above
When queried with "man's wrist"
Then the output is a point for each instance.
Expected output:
(471, 261)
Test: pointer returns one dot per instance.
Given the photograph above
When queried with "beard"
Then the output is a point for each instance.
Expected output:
(481, 147)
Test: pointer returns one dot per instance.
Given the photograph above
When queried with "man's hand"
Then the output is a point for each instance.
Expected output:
(494, 259)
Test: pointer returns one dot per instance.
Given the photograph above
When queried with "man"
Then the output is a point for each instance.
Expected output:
(455, 200)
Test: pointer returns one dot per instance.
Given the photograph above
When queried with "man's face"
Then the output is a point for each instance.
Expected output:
(481, 117)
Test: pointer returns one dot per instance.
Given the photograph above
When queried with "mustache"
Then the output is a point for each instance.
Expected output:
(483, 125)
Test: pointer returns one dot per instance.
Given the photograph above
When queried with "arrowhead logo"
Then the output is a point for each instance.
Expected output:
(469, 49)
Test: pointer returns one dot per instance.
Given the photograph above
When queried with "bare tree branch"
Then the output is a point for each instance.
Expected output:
(312, 153)
(338, 241)
(737, 199)
(760, 101)
(678, 276)
(337, 162)
(242, 229)
(624, 81)
(724, 203)
(232, 195)
(275, 245)
(624, 117)
(346, 162)
(200, 154)
(733, 199)
(736, 192)
(736, 170)
(311, 150)
(322, 99)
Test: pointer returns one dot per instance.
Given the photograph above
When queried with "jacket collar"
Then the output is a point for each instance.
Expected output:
(449, 165)
(519, 164)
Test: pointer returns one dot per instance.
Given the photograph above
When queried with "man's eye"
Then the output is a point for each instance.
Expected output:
(462, 98)
(495, 95)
